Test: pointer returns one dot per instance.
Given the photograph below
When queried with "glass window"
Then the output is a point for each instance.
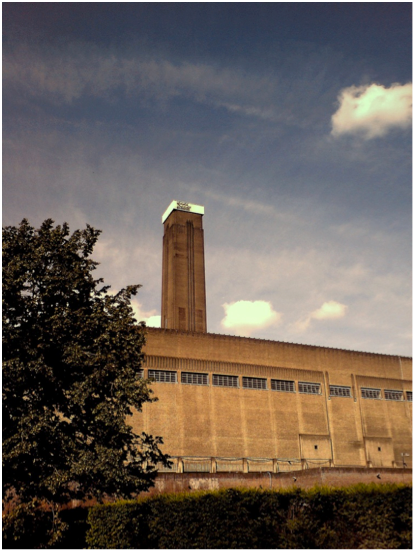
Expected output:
(254, 382)
(282, 386)
(162, 376)
(372, 393)
(225, 380)
(343, 391)
(309, 388)
(393, 395)
(195, 378)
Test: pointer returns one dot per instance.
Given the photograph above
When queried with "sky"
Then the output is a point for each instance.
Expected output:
(289, 122)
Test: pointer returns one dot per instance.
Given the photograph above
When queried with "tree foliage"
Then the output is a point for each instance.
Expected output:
(71, 359)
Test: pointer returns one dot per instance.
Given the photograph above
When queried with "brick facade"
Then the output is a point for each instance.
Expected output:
(203, 421)
(183, 302)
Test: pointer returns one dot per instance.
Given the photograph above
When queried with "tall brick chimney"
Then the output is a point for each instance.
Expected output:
(183, 298)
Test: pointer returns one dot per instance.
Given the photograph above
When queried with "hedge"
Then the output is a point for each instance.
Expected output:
(361, 516)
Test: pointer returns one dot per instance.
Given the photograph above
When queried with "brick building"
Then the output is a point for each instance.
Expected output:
(250, 405)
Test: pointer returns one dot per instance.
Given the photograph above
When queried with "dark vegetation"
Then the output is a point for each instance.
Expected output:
(72, 354)
(361, 516)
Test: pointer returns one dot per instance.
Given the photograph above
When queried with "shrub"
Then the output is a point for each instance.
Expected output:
(30, 526)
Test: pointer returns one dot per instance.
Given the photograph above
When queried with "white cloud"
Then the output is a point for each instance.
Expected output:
(153, 321)
(328, 311)
(373, 110)
(245, 316)
(151, 317)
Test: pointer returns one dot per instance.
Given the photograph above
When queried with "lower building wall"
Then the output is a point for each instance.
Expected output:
(206, 421)
(334, 477)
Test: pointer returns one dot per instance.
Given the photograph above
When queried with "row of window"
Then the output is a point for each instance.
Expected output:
(376, 394)
(256, 383)
(191, 378)
(371, 393)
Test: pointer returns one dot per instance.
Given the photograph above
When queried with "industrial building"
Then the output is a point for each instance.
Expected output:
(236, 404)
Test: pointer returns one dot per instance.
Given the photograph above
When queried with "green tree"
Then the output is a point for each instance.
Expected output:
(72, 355)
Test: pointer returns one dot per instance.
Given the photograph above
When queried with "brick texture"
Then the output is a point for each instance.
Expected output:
(183, 303)
(198, 421)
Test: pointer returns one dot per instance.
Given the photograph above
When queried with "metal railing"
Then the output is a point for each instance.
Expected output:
(187, 464)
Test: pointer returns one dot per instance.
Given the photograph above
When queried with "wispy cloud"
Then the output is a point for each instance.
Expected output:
(64, 77)
(373, 110)
(79, 70)
(249, 205)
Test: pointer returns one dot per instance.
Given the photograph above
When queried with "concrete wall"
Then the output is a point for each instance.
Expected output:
(335, 477)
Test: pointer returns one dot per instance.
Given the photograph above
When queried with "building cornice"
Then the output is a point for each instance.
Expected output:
(251, 339)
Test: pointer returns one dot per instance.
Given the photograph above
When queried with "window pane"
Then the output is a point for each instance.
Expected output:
(309, 388)
(195, 378)
(394, 395)
(162, 376)
(254, 382)
(343, 391)
(225, 380)
(282, 386)
(372, 393)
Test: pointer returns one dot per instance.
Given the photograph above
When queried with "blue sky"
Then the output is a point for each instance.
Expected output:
(289, 122)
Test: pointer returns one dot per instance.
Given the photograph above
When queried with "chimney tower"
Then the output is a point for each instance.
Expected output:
(183, 297)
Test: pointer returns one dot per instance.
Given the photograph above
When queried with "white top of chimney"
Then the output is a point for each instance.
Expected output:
(181, 205)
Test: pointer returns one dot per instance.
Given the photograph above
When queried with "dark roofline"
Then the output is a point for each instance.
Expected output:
(199, 334)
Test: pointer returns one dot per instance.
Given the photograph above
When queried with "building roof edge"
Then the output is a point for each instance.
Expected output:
(224, 336)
